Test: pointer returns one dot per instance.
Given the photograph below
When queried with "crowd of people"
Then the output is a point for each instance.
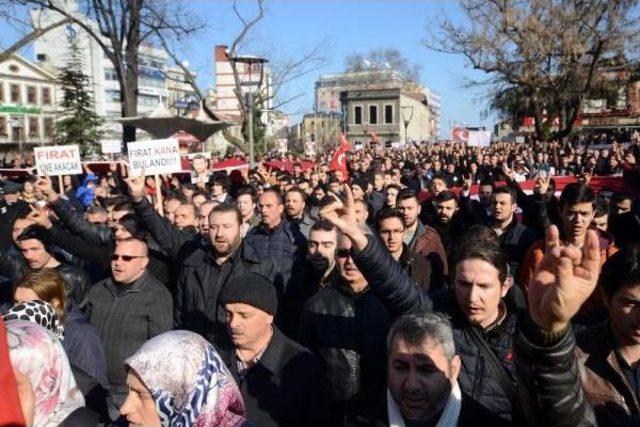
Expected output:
(421, 286)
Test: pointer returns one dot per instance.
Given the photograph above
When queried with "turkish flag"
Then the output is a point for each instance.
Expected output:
(339, 159)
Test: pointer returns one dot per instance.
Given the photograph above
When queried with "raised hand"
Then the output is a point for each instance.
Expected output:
(136, 187)
(343, 216)
(542, 185)
(563, 281)
(44, 184)
(40, 217)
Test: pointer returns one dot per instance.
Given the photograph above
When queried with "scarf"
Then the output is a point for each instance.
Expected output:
(190, 384)
(38, 312)
(39, 356)
(448, 418)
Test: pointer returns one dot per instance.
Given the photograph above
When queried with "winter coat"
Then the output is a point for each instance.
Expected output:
(200, 280)
(284, 388)
(348, 331)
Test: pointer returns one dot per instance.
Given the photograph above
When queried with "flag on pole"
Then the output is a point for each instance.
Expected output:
(339, 159)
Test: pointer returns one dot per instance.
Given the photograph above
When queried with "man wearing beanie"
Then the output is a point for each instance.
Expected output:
(281, 382)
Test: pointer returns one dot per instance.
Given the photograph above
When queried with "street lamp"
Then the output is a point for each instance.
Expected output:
(250, 80)
(15, 123)
(407, 115)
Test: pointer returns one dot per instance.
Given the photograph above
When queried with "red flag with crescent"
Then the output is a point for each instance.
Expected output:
(339, 159)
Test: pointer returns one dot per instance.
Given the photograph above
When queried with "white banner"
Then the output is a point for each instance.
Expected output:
(479, 138)
(57, 160)
(111, 146)
(156, 156)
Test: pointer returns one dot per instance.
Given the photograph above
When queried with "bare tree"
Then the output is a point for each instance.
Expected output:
(119, 27)
(546, 55)
(384, 59)
(283, 72)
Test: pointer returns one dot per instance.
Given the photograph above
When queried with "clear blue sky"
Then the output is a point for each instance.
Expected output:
(292, 27)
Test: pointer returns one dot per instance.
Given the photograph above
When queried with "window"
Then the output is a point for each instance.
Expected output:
(357, 115)
(48, 127)
(15, 94)
(113, 95)
(46, 96)
(32, 97)
(34, 128)
(110, 74)
(1, 92)
(3, 127)
(373, 114)
(388, 113)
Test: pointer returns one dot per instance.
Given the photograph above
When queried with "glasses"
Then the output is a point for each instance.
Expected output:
(343, 253)
(125, 258)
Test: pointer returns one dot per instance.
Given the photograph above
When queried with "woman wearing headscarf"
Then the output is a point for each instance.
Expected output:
(40, 297)
(37, 354)
(10, 409)
(178, 379)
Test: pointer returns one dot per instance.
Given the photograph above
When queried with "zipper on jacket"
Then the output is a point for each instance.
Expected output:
(477, 381)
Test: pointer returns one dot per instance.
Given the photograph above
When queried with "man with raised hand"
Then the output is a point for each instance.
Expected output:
(485, 324)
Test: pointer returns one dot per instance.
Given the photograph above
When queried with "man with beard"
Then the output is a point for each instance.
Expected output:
(419, 238)
(319, 273)
(207, 267)
(294, 206)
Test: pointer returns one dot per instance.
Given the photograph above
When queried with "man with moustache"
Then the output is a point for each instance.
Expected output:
(208, 266)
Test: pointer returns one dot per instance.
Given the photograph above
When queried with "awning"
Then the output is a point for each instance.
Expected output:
(162, 124)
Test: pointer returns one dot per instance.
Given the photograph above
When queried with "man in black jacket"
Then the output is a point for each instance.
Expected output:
(484, 325)
(280, 381)
(35, 255)
(346, 325)
(128, 308)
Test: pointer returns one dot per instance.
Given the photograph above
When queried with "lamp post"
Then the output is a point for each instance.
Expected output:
(250, 79)
(407, 115)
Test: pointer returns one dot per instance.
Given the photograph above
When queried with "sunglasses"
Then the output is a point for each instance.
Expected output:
(125, 258)
(343, 253)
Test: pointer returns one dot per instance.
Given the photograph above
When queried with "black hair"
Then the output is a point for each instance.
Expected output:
(323, 224)
(405, 194)
(622, 269)
(485, 250)
(602, 208)
(226, 208)
(506, 190)
(445, 196)
(299, 191)
(387, 213)
(275, 192)
(575, 193)
(248, 190)
(221, 179)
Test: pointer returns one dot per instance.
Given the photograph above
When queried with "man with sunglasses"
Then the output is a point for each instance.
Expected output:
(128, 308)
(345, 324)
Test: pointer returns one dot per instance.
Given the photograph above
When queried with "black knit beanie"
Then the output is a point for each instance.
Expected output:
(252, 289)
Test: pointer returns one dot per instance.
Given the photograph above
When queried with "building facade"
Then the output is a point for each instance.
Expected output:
(52, 52)
(393, 114)
(181, 98)
(28, 100)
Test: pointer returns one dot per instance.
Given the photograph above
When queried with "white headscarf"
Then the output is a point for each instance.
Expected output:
(37, 354)
(190, 384)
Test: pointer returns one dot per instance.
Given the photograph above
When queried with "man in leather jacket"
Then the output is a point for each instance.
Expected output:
(478, 312)
(36, 256)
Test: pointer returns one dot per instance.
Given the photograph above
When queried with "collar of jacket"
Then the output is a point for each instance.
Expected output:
(272, 356)
(600, 345)
(135, 287)
(406, 258)
(345, 289)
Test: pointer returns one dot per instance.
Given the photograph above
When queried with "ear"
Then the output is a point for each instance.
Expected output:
(455, 368)
(506, 285)
(145, 262)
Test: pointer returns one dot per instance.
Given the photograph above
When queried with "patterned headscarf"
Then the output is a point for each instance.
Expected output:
(38, 312)
(39, 356)
(189, 382)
